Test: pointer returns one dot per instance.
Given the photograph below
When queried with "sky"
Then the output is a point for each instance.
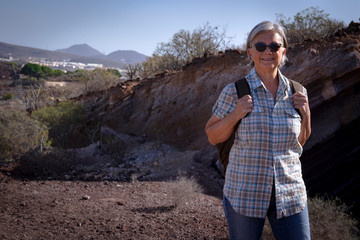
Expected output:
(140, 25)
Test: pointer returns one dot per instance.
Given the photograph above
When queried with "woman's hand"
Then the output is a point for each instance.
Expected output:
(219, 130)
(243, 106)
(301, 102)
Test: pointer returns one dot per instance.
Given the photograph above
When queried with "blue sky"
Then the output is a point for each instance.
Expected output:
(139, 25)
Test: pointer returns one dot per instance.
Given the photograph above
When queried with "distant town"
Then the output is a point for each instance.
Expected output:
(65, 65)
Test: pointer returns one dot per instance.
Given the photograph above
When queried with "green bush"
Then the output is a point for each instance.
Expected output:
(62, 120)
(35, 70)
(8, 96)
(19, 134)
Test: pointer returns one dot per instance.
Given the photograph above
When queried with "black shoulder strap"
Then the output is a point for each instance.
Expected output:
(296, 87)
(242, 87)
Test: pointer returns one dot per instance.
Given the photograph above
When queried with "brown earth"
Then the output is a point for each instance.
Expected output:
(105, 210)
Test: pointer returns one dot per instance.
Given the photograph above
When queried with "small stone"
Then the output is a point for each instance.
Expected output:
(86, 197)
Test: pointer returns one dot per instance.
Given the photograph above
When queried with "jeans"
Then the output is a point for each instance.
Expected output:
(295, 227)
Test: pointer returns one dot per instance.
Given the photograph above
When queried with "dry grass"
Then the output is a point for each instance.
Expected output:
(183, 190)
(329, 219)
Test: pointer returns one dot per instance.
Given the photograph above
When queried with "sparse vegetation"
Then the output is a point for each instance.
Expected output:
(183, 47)
(311, 23)
(62, 120)
(183, 190)
(8, 96)
(330, 219)
(56, 161)
(133, 70)
(19, 134)
(99, 79)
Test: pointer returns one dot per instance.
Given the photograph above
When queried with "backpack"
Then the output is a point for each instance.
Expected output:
(242, 89)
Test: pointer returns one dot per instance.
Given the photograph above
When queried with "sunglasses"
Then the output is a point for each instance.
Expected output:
(260, 46)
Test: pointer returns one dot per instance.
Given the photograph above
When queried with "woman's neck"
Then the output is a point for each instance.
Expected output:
(270, 80)
(270, 76)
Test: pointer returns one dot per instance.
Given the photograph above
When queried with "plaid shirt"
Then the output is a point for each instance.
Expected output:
(266, 150)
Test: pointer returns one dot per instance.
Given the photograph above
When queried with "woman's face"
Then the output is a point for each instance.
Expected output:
(266, 60)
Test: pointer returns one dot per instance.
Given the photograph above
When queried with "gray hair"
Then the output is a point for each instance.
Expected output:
(264, 27)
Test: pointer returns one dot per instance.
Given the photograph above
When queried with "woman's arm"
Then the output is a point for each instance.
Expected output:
(219, 130)
(301, 102)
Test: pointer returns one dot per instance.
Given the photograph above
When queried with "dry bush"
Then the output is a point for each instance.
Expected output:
(51, 162)
(184, 189)
(329, 219)
(62, 120)
(19, 134)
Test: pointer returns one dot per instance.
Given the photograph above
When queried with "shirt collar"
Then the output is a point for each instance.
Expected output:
(255, 82)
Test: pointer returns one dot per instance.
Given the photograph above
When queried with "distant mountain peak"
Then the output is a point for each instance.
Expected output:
(81, 50)
(126, 56)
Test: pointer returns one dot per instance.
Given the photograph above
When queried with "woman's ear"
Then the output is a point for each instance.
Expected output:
(284, 52)
(249, 53)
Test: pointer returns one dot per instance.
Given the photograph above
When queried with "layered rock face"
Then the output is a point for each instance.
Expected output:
(174, 107)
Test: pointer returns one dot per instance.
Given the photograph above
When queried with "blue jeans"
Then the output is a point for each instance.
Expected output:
(295, 227)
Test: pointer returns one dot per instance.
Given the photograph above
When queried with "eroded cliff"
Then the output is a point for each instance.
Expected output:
(174, 107)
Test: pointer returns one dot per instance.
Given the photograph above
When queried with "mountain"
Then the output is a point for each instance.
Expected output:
(25, 53)
(126, 56)
(120, 56)
(81, 50)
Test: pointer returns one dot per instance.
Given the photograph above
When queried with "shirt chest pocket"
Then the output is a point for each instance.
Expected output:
(255, 122)
(293, 121)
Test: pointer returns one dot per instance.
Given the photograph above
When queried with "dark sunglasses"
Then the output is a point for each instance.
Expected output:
(260, 46)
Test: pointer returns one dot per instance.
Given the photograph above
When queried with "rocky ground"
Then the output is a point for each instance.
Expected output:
(105, 210)
(178, 197)
(99, 200)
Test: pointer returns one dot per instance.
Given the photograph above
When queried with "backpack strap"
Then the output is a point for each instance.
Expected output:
(242, 89)
(296, 87)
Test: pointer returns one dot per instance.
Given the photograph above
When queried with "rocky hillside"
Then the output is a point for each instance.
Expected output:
(174, 107)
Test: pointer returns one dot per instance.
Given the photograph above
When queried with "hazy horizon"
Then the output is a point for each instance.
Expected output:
(140, 25)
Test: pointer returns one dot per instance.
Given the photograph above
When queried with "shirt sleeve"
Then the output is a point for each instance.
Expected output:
(226, 102)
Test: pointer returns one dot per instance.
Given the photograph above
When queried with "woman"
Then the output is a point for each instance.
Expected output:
(263, 178)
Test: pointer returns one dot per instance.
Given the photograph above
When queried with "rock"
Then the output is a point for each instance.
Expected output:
(85, 197)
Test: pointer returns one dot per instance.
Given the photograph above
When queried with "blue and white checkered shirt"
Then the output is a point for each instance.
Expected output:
(266, 150)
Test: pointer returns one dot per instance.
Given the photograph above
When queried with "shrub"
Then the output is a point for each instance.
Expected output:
(33, 70)
(62, 120)
(183, 47)
(311, 23)
(100, 79)
(183, 190)
(330, 219)
(53, 161)
(19, 134)
(8, 96)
